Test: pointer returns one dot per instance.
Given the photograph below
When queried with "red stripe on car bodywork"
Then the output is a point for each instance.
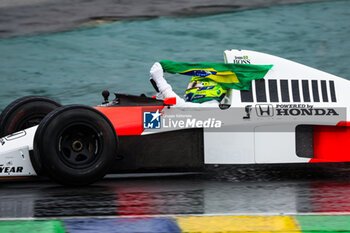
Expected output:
(332, 143)
(127, 120)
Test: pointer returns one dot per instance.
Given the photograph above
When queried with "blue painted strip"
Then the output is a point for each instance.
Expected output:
(93, 225)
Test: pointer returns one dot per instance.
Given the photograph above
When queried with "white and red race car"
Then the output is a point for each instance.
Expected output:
(296, 114)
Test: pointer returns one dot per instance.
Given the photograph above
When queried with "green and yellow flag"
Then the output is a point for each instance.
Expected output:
(234, 76)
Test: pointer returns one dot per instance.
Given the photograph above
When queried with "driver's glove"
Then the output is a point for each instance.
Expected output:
(157, 74)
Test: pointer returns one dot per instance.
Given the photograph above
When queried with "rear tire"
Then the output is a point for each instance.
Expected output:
(75, 145)
(24, 113)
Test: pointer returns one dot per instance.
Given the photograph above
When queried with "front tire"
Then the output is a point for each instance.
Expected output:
(24, 113)
(75, 145)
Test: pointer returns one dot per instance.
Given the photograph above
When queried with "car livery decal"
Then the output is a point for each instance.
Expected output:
(128, 120)
(301, 90)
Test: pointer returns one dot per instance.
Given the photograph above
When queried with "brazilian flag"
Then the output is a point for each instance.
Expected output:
(234, 76)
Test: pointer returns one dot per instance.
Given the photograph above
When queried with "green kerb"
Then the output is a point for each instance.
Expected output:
(325, 224)
(27, 226)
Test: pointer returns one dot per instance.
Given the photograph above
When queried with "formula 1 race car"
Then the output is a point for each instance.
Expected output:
(296, 114)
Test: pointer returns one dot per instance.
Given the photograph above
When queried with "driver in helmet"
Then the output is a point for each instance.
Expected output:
(201, 91)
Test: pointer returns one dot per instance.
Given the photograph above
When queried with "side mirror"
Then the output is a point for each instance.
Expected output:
(170, 101)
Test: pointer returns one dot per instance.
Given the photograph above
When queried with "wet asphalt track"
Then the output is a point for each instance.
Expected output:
(226, 190)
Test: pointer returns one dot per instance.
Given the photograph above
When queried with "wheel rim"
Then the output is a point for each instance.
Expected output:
(79, 145)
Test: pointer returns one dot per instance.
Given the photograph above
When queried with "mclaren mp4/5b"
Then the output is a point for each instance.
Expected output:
(296, 114)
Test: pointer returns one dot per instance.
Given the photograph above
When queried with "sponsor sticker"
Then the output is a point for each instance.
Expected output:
(158, 120)
(241, 60)
(152, 120)
(191, 123)
(293, 110)
(10, 169)
(264, 110)
(303, 110)
(248, 110)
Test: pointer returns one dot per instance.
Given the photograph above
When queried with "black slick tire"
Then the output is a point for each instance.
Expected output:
(75, 145)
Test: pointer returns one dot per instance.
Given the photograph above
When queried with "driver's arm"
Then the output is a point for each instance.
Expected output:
(165, 90)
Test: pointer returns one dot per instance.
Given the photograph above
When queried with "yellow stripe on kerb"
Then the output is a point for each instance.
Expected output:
(238, 224)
